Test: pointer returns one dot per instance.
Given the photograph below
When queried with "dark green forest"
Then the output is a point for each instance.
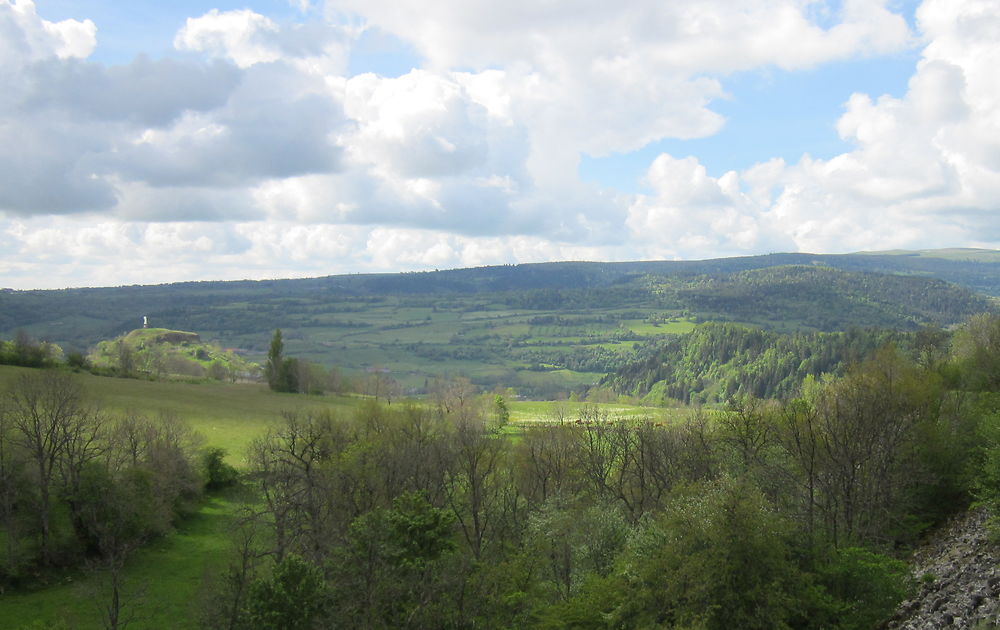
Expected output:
(715, 362)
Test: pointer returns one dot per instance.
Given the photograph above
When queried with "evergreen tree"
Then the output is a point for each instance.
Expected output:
(275, 360)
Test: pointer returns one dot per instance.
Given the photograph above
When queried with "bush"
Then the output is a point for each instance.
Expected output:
(218, 474)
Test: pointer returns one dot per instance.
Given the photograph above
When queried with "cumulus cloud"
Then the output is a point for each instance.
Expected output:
(923, 172)
(24, 37)
(144, 92)
(691, 212)
(927, 159)
(606, 78)
(248, 38)
(253, 151)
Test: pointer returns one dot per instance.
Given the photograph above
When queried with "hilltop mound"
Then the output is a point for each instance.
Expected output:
(162, 335)
(161, 352)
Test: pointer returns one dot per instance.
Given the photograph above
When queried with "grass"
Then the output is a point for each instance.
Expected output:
(170, 572)
(164, 581)
(532, 411)
(228, 415)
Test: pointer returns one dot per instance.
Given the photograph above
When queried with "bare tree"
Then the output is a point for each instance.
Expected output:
(57, 431)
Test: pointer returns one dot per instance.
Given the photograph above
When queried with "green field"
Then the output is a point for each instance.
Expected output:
(163, 581)
(224, 414)
(545, 330)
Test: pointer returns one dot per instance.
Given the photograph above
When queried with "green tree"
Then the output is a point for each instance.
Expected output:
(866, 586)
(718, 558)
(501, 413)
(275, 360)
(295, 597)
(218, 474)
(394, 571)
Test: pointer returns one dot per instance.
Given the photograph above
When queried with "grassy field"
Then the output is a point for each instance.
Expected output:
(224, 414)
(418, 340)
(163, 583)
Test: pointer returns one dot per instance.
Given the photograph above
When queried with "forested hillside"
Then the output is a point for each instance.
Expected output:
(717, 361)
(545, 329)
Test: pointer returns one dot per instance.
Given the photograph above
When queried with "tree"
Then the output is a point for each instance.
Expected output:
(58, 433)
(294, 598)
(501, 413)
(218, 474)
(125, 358)
(275, 360)
(718, 558)
(288, 376)
(13, 490)
(391, 572)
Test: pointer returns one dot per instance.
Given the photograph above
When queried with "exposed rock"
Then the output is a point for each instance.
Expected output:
(176, 336)
(960, 582)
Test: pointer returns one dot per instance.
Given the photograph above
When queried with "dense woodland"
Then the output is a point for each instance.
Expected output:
(715, 362)
(791, 512)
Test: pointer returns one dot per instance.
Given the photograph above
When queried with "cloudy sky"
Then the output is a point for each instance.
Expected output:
(149, 141)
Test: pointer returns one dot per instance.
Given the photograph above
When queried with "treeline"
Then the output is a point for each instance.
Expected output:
(27, 352)
(766, 515)
(715, 362)
(80, 486)
(293, 375)
(823, 298)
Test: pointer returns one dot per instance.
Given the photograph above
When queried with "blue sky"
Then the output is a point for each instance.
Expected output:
(289, 138)
(769, 113)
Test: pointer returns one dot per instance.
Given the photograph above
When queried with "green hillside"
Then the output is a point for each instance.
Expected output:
(715, 362)
(544, 329)
(161, 352)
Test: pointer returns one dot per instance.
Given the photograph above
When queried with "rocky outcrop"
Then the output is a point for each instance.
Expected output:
(958, 579)
(176, 336)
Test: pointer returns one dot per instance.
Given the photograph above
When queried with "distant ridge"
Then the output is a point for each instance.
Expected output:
(565, 323)
(969, 254)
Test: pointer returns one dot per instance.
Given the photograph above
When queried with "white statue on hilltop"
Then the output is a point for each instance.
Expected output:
(145, 322)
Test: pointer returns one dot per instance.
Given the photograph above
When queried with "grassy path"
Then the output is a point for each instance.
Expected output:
(164, 581)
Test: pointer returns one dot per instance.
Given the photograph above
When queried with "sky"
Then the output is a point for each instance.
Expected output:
(146, 142)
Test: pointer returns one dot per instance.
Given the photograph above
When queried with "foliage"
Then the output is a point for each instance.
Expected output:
(78, 483)
(717, 361)
(159, 352)
(295, 597)
(865, 585)
(218, 474)
(719, 558)
(764, 513)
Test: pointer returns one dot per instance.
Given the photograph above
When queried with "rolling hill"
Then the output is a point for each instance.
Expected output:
(544, 328)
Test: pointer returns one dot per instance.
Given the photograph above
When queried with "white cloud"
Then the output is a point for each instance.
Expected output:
(691, 213)
(144, 92)
(924, 170)
(255, 153)
(248, 38)
(926, 167)
(25, 37)
(599, 77)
